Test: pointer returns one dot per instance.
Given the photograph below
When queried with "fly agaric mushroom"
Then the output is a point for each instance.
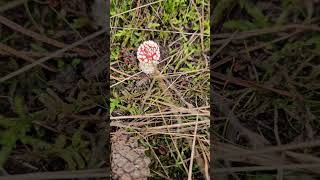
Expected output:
(148, 55)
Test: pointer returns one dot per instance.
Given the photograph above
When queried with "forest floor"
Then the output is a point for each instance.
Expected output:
(171, 120)
(52, 115)
(266, 82)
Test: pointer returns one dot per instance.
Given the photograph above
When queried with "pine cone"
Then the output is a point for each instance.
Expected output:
(128, 160)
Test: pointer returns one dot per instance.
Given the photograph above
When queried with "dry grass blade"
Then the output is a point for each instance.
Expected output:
(265, 168)
(250, 84)
(80, 174)
(273, 149)
(33, 54)
(179, 125)
(166, 172)
(93, 52)
(260, 159)
(166, 31)
(269, 30)
(268, 43)
(174, 142)
(136, 8)
(39, 37)
(42, 60)
(224, 45)
(237, 127)
(154, 116)
(305, 158)
(21, 55)
(192, 150)
(128, 78)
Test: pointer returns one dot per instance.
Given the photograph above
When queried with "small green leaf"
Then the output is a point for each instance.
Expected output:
(221, 9)
(19, 108)
(4, 154)
(60, 142)
(76, 139)
(120, 33)
(80, 22)
(6, 122)
(153, 25)
(78, 159)
(175, 21)
(8, 141)
(37, 48)
(259, 19)
(67, 157)
(76, 61)
(60, 65)
(207, 27)
(114, 103)
(50, 32)
(241, 25)
(315, 40)
(37, 144)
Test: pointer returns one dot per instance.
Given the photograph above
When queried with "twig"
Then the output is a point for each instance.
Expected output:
(193, 150)
(180, 125)
(155, 116)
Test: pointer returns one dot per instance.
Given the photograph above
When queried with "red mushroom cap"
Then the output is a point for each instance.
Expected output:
(148, 52)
